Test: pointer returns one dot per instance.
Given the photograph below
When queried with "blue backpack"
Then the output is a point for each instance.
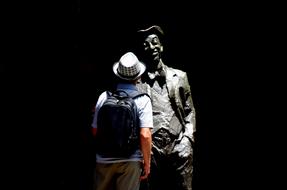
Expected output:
(118, 125)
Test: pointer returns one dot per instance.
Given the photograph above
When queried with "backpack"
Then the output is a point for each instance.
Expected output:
(118, 128)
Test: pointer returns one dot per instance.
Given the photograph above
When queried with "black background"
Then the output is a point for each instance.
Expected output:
(59, 58)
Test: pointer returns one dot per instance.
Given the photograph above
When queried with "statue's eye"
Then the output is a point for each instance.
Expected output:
(155, 41)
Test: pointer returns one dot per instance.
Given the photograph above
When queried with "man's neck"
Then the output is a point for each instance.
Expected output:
(157, 67)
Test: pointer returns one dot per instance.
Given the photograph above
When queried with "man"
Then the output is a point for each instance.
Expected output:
(120, 173)
(173, 116)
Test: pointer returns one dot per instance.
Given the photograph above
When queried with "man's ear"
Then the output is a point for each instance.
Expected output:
(161, 49)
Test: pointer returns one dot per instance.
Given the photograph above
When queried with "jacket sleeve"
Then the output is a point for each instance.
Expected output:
(188, 108)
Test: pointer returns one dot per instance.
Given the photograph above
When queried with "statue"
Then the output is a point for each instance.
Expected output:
(173, 116)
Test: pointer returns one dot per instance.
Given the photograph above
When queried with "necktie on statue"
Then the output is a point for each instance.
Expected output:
(158, 76)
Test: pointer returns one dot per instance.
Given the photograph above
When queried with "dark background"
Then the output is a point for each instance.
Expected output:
(59, 58)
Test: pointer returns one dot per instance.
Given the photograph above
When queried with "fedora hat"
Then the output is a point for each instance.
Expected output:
(155, 29)
(129, 67)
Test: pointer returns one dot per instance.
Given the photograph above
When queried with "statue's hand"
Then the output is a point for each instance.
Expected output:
(183, 148)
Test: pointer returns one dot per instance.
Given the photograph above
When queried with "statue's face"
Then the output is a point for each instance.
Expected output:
(152, 48)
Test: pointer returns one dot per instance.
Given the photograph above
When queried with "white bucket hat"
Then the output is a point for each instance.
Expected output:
(129, 67)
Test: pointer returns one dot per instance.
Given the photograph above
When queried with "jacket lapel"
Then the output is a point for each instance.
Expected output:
(170, 82)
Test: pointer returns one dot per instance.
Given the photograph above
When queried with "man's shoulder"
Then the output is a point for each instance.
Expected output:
(174, 71)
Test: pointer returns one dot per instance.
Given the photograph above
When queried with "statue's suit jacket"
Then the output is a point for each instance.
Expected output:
(180, 95)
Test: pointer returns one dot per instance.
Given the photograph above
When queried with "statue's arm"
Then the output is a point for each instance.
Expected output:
(188, 108)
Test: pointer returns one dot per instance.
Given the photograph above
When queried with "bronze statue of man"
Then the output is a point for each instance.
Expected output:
(173, 116)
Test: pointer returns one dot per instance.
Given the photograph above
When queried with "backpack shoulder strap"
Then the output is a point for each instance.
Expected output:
(133, 95)
(108, 93)
(120, 93)
(137, 94)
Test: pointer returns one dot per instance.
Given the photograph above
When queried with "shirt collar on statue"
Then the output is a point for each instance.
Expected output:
(159, 72)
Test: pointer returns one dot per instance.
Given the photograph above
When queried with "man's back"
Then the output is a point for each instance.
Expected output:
(122, 170)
